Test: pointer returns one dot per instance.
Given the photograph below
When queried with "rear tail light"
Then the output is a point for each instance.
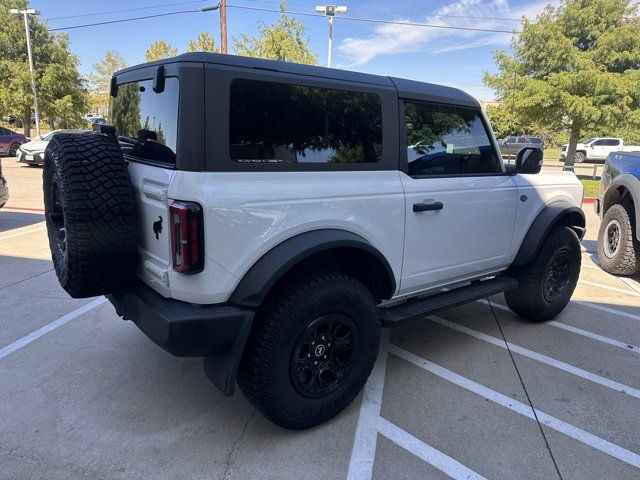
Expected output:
(187, 237)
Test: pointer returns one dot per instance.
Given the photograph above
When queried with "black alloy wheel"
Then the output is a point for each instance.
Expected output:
(321, 358)
(557, 276)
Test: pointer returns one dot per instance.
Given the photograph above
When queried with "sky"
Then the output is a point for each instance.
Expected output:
(456, 58)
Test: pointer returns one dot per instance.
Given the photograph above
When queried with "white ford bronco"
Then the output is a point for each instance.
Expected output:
(272, 217)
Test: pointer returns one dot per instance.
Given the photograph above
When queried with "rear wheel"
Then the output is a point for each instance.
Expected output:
(90, 214)
(13, 149)
(311, 350)
(618, 251)
(548, 281)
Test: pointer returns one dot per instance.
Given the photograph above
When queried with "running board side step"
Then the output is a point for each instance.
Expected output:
(417, 308)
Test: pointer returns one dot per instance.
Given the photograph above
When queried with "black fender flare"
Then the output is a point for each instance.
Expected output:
(273, 265)
(561, 213)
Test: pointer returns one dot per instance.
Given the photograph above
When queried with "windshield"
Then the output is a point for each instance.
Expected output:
(49, 135)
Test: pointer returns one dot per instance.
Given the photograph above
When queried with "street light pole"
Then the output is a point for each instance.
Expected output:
(25, 14)
(330, 11)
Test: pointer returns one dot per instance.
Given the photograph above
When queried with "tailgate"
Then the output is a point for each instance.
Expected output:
(151, 185)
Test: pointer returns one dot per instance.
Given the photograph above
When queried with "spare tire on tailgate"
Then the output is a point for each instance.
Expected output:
(90, 214)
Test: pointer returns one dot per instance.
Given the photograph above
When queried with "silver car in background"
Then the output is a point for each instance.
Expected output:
(32, 153)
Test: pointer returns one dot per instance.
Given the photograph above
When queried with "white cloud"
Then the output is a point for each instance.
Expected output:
(389, 39)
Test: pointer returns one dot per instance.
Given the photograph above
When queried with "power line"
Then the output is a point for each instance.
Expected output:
(125, 10)
(123, 20)
(374, 20)
(304, 14)
(430, 14)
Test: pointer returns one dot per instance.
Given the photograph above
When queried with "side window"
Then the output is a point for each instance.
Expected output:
(536, 140)
(284, 123)
(3, 131)
(613, 142)
(522, 140)
(510, 140)
(447, 140)
(147, 118)
(600, 143)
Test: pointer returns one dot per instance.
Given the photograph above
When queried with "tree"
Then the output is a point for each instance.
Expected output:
(100, 80)
(62, 96)
(284, 40)
(577, 67)
(159, 50)
(204, 43)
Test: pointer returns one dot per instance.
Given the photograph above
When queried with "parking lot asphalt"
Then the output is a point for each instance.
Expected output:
(474, 392)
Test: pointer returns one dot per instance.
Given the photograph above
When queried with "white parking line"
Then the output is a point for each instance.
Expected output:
(583, 436)
(525, 352)
(364, 444)
(26, 232)
(370, 423)
(627, 281)
(600, 338)
(426, 452)
(607, 287)
(620, 313)
(27, 339)
(579, 331)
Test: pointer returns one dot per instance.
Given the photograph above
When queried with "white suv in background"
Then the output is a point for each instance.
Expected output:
(598, 148)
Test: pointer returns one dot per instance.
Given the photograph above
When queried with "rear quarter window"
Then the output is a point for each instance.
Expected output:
(282, 123)
(139, 113)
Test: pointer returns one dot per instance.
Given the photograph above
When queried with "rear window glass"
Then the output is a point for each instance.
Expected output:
(284, 123)
(148, 119)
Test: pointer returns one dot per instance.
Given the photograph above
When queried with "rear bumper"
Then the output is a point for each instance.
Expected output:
(216, 332)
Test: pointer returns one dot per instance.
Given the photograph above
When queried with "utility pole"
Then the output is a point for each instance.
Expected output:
(223, 26)
(330, 12)
(25, 14)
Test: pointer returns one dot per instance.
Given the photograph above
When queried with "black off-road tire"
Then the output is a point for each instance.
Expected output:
(13, 149)
(268, 375)
(90, 214)
(531, 299)
(625, 258)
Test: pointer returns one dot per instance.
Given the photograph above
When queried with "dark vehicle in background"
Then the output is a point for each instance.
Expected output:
(512, 145)
(10, 141)
(618, 205)
(4, 189)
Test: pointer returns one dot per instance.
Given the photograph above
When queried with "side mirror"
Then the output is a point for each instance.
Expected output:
(529, 160)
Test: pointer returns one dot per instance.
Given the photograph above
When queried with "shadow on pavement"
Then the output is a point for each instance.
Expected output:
(10, 220)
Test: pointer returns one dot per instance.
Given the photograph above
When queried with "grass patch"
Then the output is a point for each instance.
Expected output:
(590, 185)
(552, 153)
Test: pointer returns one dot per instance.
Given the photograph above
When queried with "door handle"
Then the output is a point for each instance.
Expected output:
(426, 207)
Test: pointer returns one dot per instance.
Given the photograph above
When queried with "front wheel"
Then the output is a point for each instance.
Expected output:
(311, 350)
(548, 281)
(579, 157)
(13, 149)
(618, 251)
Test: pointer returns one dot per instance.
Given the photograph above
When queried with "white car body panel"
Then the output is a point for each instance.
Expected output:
(246, 214)
(469, 237)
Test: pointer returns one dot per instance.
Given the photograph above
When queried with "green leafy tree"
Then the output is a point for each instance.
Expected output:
(62, 95)
(284, 40)
(159, 50)
(204, 43)
(100, 80)
(577, 67)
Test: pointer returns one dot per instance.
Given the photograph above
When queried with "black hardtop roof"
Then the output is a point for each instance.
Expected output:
(406, 88)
